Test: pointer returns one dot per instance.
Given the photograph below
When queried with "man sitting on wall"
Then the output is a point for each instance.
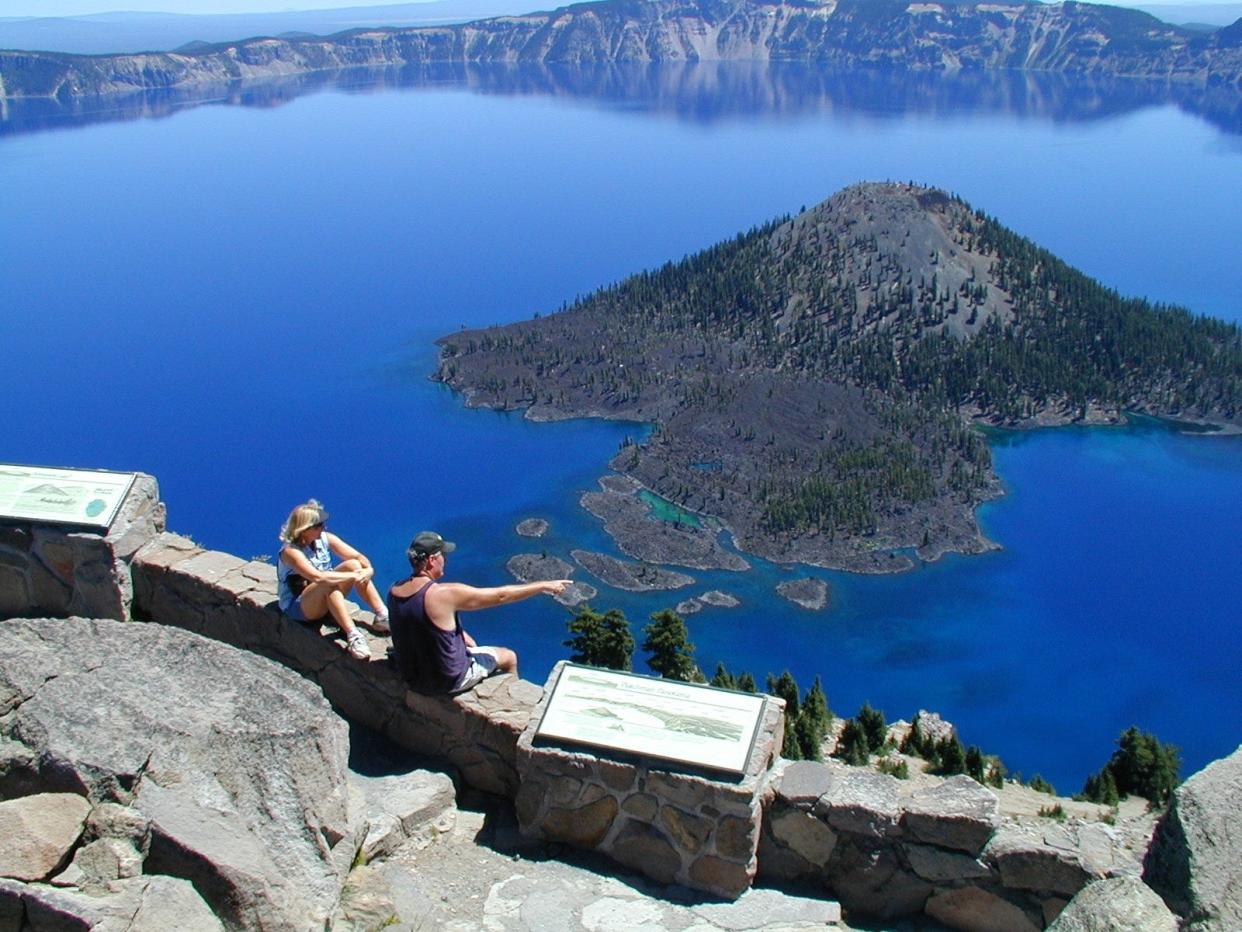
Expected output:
(432, 650)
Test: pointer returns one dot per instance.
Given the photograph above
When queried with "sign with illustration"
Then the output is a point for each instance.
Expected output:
(673, 721)
(42, 494)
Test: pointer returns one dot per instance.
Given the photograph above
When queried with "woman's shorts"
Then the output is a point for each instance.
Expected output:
(294, 610)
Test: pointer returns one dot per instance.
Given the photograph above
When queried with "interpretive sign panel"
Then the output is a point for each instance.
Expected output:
(665, 719)
(42, 494)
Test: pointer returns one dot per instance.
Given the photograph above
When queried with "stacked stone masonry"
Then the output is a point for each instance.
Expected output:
(887, 852)
(57, 571)
(675, 827)
(866, 839)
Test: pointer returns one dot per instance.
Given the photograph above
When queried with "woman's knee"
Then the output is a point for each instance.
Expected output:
(506, 659)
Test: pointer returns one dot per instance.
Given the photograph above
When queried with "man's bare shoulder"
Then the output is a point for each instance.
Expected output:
(449, 591)
(409, 587)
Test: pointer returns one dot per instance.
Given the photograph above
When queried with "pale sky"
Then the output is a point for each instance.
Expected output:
(83, 7)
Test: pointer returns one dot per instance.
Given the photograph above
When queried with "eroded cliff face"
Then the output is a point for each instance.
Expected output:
(1070, 37)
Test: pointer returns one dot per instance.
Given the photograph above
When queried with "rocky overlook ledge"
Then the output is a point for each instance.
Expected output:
(813, 382)
(156, 772)
(1072, 38)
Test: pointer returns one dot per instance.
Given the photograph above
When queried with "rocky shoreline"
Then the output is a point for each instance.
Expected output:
(632, 577)
(529, 567)
(842, 431)
(809, 593)
(639, 534)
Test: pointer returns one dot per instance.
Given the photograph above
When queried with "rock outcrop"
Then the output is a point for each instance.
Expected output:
(1116, 904)
(194, 760)
(39, 832)
(150, 776)
(1076, 38)
(1195, 860)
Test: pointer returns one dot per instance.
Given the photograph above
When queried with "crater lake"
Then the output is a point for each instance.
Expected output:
(239, 290)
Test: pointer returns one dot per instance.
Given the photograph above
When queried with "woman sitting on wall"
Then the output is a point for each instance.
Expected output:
(310, 588)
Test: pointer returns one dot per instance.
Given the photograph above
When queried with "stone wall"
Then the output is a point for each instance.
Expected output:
(229, 599)
(671, 827)
(56, 571)
(887, 850)
(675, 827)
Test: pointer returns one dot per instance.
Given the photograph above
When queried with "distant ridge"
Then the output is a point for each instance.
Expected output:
(812, 381)
(1072, 38)
(127, 33)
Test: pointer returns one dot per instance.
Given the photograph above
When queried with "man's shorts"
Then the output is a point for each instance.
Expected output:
(483, 663)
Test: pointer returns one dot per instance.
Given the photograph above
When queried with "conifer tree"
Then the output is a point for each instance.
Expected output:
(785, 687)
(974, 763)
(601, 640)
(668, 644)
(873, 725)
(723, 678)
(1141, 766)
(852, 746)
(809, 736)
(914, 743)
(815, 705)
(951, 756)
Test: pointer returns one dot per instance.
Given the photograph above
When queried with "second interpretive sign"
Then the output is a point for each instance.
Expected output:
(665, 719)
(43, 494)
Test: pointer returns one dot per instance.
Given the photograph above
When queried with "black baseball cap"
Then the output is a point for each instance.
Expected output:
(427, 543)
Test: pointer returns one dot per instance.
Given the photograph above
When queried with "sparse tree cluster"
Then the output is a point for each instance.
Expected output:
(601, 640)
(1141, 766)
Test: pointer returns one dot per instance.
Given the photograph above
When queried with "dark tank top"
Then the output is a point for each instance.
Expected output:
(430, 659)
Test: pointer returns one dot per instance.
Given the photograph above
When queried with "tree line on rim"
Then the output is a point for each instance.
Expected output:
(1141, 766)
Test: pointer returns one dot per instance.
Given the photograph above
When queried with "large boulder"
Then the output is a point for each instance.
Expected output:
(1195, 858)
(218, 766)
(411, 808)
(139, 904)
(39, 831)
(959, 814)
(1119, 904)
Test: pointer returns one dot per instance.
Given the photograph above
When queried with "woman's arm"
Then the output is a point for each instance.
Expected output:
(296, 560)
(344, 551)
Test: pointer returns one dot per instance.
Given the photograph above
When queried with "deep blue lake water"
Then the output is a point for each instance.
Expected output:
(242, 301)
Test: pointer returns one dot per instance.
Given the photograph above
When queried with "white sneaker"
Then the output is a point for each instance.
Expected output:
(357, 646)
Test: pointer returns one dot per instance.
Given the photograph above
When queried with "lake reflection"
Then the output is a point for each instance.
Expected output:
(704, 91)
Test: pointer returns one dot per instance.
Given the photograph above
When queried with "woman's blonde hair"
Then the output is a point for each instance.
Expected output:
(302, 519)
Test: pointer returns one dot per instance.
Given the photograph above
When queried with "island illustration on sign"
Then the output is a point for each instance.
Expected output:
(684, 722)
(833, 368)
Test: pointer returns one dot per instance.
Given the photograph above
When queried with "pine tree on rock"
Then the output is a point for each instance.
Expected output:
(668, 644)
(601, 640)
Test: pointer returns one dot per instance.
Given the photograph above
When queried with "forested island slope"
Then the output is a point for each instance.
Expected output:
(813, 382)
(1072, 38)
